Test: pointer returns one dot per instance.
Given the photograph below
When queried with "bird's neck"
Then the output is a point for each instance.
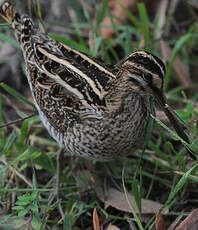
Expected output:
(122, 97)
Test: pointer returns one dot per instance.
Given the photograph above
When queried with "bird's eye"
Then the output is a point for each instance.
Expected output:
(148, 78)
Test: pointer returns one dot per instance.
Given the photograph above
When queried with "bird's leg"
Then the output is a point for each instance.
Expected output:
(58, 170)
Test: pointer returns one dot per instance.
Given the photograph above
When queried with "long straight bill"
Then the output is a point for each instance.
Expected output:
(179, 128)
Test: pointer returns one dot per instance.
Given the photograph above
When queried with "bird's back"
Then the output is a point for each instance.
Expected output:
(85, 105)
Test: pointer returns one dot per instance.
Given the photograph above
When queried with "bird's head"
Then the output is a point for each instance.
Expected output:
(145, 71)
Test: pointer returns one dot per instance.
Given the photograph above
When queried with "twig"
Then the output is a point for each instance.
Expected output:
(21, 176)
(16, 121)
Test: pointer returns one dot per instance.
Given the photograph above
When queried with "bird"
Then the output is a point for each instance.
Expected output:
(91, 109)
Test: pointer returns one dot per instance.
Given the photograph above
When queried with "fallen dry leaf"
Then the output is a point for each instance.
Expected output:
(96, 224)
(112, 227)
(176, 221)
(118, 200)
(178, 65)
(190, 223)
(159, 222)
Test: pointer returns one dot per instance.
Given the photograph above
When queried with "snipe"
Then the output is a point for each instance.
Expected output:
(90, 109)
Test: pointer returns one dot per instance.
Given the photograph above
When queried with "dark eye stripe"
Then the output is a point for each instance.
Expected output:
(149, 62)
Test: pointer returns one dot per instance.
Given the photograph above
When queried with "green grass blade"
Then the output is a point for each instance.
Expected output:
(181, 183)
(70, 43)
(8, 39)
(172, 132)
(128, 45)
(136, 188)
(1, 112)
(82, 42)
(24, 131)
(129, 203)
(44, 161)
(14, 93)
(67, 223)
(2, 134)
(145, 21)
(9, 142)
(182, 87)
(149, 128)
(133, 19)
(175, 51)
(102, 12)
(39, 12)
(80, 11)
(97, 43)
(113, 52)
(86, 14)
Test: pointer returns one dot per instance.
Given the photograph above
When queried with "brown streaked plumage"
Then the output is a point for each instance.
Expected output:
(90, 109)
